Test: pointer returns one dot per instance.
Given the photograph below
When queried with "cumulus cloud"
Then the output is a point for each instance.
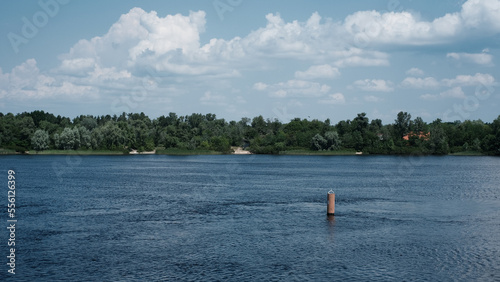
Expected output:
(455, 92)
(333, 99)
(405, 28)
(141, 41)
(77, 67)
(420, 83)
(139, 33)
(482, 14)
(319, 71)
(356, 57)
(287, 38)
(260, 86)
(415, 72)
(27, 82)
(459, 80)
(294, 88)
(480, 58)
(378, 85)
(144, 44)
(470, 80)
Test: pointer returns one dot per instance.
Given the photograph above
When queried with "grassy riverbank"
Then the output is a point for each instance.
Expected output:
(318, 153)
(7, 152)
(185, 152)
(78, 152)
(468, 153)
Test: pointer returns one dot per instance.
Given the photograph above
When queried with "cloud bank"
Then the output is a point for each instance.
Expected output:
(165, 55)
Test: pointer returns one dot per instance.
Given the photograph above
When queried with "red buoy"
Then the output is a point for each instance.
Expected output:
(331, 203)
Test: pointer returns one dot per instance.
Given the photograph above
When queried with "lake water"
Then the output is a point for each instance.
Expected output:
(254, 218)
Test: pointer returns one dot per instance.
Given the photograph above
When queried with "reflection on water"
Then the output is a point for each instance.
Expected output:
(331, 226)
(257, 218)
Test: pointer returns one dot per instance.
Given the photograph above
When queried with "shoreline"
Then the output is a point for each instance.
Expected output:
(240, 151)
(135, 152)
(236, 151)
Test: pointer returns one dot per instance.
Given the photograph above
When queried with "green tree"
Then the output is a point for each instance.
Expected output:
(259, 124)
(319, 143)
(96, 139)
(358, 141)
(496, 132)
(112, 136)
(67, 139)
(76, 136)
(333, 140)
(40, 140)
(57, 141)
(85, 137)
(220, 144)
(24, 129)
(438, 144)
(89, 123)
(402, 124)
(419, 125)
(361, 122)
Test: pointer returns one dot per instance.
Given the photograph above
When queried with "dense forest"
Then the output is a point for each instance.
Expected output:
(38, 131)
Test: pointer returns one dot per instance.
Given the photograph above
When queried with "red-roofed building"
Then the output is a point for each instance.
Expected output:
(420, 135)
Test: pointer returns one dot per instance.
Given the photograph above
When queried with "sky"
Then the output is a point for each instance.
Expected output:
(242, 58)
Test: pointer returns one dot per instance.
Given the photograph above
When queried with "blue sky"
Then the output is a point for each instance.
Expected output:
(242, 58)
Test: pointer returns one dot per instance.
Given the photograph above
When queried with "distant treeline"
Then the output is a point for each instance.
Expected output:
(38, 131)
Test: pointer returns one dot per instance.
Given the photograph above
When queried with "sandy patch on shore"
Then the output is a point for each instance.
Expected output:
(134, 152)
(240, 151)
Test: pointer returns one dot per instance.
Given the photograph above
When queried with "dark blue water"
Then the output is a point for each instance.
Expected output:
(254, 218)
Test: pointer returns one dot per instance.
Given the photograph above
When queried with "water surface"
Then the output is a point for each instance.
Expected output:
(251, 218)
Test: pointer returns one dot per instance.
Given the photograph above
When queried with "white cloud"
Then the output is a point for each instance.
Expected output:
(324, 38)
(459, 80)
(420, 83)
(286, 38)
(480, 58)
(27, 82)
(481, 14)
(172, 44)
(77, 67)
(470, 80)
(143, 34)
(357, 61)
(141, 41)
(294, 88)
(318, 71)
(260, 86)
(333, 99)
(356, 57)
(404, 28)
(378, 85)
(455, 92)
(143, 44)
(106, 75)
(415, 72)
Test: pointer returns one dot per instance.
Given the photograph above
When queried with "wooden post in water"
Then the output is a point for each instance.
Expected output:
(331, 203)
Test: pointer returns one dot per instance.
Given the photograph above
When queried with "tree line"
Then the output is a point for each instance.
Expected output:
(40, 131)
